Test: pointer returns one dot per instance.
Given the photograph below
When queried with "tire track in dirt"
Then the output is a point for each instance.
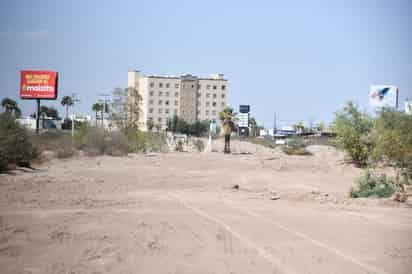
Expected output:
(262, 252)
(306, 237)
(244, 240)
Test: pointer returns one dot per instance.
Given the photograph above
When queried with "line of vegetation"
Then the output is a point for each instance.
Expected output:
(384, 140)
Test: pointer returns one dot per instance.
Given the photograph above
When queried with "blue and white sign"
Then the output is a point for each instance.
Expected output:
(383, 96)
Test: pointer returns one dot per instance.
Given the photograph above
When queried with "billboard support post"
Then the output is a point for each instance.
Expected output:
(38, 116)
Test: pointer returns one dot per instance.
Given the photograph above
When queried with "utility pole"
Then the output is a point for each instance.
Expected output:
(75, 100)
(105, 100)
(274, 123)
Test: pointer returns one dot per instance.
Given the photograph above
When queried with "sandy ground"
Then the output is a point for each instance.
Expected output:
(179, 213)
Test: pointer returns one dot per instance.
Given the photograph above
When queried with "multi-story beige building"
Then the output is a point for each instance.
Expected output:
(189, 97)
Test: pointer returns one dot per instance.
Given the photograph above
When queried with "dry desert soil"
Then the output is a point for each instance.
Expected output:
(183, 213)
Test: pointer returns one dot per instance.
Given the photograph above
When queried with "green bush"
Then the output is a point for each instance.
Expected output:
(140, 141)
(352, 130)
(369, 184)
(15, 145)
(295, 146)
(97, 141)
(392, 135)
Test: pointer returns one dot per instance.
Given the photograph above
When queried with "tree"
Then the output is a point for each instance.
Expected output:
(49, 112)
(392, 136)
(150, 124)
(10, 107)
(227, 118)
(96, 107)
(67, 101)
(299, 127)
(352, 130)
(320, 126)
(134, 110)
(119, 108)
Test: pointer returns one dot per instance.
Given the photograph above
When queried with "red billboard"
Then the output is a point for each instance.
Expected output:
(38, 84)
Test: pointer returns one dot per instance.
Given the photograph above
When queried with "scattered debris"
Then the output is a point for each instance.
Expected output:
(235, 187)
(274, 195)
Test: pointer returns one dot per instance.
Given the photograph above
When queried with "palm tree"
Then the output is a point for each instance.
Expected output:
(96, 108)
(10, 107)
(67, 101)
(227, 117)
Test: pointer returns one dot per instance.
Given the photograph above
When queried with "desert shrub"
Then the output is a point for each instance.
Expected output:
(179, 146)
(140, 141)
(15, 145)
(97, 141)
(137, 140)
(199, 145)
(88, 138)
(295, 146)
(51, 140)
(392, 135)
(65, 152)
(352, 130)
(116, 144)
(369, 184)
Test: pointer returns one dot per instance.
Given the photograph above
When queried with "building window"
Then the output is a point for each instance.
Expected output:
(159, 119)
(160, 111)
(150, 102)
(207, 104)
(176, 94)
(160, 102)
(151, 84)
(207, 112)
(166, 103)
(207, 86)
(167, 111)
(223, 96)
(207, 95)
(214, 112)
(160, 93)
(214, 95)
(176, 103)
(223, 105)
(214, 87)
(199, 86)
(150, 110)
(167, 93)
(167, 85)
(223, 87)
(175, 111)
(176, 85)
(214, 104)
(151, 93)
(193, 86)
(160, 85)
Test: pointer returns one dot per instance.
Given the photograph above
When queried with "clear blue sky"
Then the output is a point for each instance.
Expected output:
(302, 59)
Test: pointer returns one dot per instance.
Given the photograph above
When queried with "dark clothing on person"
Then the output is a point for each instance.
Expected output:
(227, 143)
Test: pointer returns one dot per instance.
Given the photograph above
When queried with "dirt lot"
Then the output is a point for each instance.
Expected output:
(179, 213)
